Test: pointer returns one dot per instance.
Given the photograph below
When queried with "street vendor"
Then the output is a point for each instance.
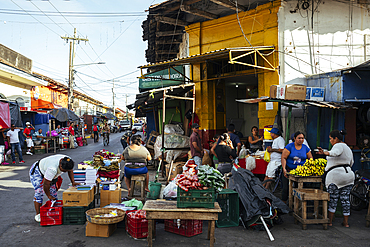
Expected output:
(294, 154)
(27, 134)
(224, 150)
(38, 137)
(136, 157)
(340, 177)
(45, 177)
(275, 151)
(59, 131)
(106, 130)
(196, 148)
(255, 141)
(71, 132)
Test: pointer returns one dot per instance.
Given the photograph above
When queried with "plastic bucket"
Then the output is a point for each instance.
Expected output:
(155, 189)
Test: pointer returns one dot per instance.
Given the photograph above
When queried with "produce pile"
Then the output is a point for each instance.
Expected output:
(310, 168)
(138, 214)
(188, 180)
(210, 177)
(106, 154)
(206, 177)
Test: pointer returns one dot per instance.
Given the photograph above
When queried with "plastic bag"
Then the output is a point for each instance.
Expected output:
(266, 156)
(250, 163)
(243, 152)
(134, 202)
(173, 129)
(171, 190)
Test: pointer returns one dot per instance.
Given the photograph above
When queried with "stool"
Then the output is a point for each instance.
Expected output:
(315, 195)
(142, 179)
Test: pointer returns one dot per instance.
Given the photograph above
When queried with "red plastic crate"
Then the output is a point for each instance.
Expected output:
(51, 216)
(137, 228)
(188, 228)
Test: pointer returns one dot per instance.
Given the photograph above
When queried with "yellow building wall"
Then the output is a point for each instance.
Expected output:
(260, 26)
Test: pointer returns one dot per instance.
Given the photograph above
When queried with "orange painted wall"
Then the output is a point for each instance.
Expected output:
(44, 97)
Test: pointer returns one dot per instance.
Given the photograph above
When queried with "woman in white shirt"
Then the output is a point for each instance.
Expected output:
(44, 175)
(340, 177)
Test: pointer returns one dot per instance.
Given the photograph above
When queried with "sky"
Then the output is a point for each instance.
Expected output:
(113, 27)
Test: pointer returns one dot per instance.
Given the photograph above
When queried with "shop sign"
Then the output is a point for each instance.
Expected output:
(163, 78)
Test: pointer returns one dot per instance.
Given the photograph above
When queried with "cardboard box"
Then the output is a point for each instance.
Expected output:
(73, 197)
(295, 92)
(315, 93)
(110, 196)
(95, 230)
(176, 169)
(273, 91)
(280, 92)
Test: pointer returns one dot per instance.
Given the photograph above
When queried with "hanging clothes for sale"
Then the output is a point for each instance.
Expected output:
(4, 115)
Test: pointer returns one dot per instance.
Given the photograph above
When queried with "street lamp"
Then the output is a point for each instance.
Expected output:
(71, 79)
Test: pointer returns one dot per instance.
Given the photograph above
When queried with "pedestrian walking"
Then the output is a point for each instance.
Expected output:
(13, 139)
(71, 136)
(27, 134)
(96, 132)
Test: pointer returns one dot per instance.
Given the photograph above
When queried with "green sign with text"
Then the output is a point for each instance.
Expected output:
(163, 78)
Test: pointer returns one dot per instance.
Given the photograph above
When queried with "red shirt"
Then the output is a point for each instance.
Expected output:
(71, 130)
(27, 131)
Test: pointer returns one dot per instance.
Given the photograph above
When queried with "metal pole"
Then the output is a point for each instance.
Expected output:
(126, 109)
(114, 110)
(287, 132)
(332, 125)
(318, 137)
(70, 82)
(163, 121)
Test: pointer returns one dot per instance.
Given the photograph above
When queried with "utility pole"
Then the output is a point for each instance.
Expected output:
(71, 58)
(126, 109)
(114, 110)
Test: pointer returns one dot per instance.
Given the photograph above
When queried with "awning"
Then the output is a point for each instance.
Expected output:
(64, 115)
(324, 104)
(149, 98)
(232, 53)
(18, 78)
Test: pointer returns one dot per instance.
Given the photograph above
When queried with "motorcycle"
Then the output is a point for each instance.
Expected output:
(359, 196)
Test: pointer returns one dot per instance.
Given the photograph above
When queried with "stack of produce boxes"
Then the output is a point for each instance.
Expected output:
(76, 201)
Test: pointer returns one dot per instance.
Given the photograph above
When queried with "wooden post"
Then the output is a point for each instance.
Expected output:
(318, 128)
(287, 131)
(332, 125)
(163, 121)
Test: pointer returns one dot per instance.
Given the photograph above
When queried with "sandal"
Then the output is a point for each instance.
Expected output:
(347, 226)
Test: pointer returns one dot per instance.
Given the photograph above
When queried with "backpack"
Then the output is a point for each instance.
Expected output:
(95, 128)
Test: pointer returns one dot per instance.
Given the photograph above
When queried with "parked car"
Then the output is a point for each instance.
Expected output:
(124, 125)
(138, 126)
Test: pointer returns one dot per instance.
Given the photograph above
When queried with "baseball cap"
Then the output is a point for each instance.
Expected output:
(28, 123)
(276, 131)
(195, 126)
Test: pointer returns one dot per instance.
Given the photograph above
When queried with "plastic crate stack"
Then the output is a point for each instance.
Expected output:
(187, 228)
(195, 198)
(229, 203)
(51, 216)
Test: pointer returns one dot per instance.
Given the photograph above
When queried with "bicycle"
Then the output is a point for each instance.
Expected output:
(105, 139)
(276, 185)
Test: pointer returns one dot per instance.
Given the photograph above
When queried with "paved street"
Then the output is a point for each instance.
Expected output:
(18, 227)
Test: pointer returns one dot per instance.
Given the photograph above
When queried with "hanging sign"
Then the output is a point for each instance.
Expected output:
(163, 78)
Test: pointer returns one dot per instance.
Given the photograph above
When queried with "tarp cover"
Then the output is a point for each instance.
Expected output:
(64, 115)
(42, 118)
(4, 115)
(252, 195)
(109, 115)
(15, 114)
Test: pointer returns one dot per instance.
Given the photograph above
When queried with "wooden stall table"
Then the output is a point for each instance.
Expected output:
(300, 180)
(167, 210)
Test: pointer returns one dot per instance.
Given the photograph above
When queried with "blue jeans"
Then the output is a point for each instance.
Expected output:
(16, 146)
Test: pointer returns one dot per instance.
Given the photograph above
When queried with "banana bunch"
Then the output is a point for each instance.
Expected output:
(310, 168)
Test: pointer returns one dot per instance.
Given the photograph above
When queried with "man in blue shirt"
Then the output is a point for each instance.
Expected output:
(38, 137)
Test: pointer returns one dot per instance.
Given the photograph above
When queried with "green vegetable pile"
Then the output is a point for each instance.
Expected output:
(210, 177)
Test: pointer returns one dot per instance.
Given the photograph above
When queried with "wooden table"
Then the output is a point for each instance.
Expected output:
(167, 210)
(300, 180)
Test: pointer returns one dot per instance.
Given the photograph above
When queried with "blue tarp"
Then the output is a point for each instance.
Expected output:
(42, 118)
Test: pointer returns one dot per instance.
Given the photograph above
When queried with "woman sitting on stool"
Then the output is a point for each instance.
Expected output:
(136, 157)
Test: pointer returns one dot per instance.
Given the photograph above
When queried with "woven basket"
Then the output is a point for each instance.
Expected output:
(90, 216)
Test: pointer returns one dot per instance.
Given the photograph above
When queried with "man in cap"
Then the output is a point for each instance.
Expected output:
(275, 154)
(27, 134)
(196, 148)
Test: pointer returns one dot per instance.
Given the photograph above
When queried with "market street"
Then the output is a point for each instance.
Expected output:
(18, 227)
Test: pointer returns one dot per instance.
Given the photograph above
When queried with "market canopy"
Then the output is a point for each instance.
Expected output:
(4, 115)
(108, 115)
(64, 115)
